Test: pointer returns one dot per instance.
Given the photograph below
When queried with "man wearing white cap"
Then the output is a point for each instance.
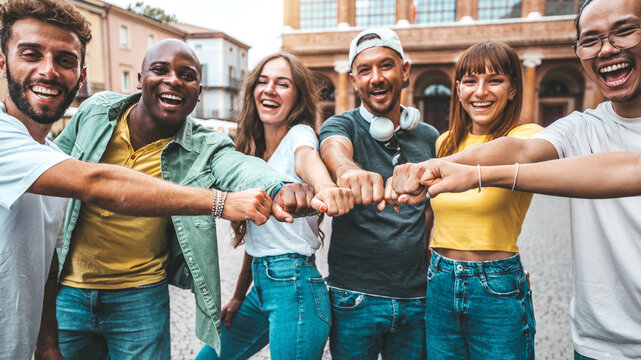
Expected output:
(378, 256)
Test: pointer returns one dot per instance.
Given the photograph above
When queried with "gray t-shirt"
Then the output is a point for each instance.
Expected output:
(606, 240)
(380, 252)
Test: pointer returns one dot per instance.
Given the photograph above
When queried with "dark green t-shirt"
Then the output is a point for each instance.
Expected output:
(380, 252)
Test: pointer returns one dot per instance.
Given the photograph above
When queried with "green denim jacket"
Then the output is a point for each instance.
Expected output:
(195, 156)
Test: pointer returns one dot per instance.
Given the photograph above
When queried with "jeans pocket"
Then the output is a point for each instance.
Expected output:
(321, 299)
(430, 274)
(281, 269)
(345, 300)
(501, 285)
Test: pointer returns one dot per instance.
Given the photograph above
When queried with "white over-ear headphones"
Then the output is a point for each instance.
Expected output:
(382, 129)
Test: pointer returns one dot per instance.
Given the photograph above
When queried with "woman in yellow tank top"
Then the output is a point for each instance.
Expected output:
(479, 304)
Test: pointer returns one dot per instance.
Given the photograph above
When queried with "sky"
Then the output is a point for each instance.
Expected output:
(257, 23)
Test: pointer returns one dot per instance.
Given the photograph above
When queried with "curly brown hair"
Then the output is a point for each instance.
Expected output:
(56, 12)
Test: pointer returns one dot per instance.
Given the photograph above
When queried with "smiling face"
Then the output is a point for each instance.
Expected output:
(484, 98)
(377, 75)
(616, 72)
(170, 83)
(275, 93)
(42, 66)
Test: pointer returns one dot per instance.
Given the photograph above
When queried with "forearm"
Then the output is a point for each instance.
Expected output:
(505, 150)
(311, 169)
(122, 190)
(603, 175)
(244, 278)
(337, 155)
(48, 335)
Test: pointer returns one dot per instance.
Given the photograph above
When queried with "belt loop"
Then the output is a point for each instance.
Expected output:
(481, 270)
(438, 261)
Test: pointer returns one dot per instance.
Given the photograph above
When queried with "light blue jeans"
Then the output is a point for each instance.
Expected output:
(479, 310)
(288, 307)
(365, 326)
(123, 324)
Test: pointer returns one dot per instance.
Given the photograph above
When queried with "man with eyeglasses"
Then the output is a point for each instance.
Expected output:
(606, 252)
(377, 257)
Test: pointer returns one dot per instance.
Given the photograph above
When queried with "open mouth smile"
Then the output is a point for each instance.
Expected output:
(45, 92)
(170, 100)
(270, 104)
(615, 74)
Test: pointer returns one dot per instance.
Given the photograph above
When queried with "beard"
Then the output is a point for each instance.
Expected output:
(375, 108)
(17, 92)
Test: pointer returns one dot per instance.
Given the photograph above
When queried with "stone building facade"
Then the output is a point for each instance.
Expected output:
(434, 33)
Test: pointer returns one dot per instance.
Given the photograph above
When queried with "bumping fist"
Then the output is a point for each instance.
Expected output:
(254, 205)
(293, 198)
(366, 186)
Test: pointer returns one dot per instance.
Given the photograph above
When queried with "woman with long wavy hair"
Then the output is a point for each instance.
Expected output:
(288, 306)
(479, 303)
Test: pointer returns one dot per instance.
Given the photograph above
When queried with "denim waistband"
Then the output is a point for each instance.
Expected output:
(294, 256)
(472, 268)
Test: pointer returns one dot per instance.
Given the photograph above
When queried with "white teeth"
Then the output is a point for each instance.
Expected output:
(614, 67)
(486, 103)
(269, 103)
(45, 91)
(171, 97)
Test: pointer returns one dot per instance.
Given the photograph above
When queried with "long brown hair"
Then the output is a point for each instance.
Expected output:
(251, 134)
(498, 57)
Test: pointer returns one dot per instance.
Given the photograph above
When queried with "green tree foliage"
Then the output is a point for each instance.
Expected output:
(153, 13)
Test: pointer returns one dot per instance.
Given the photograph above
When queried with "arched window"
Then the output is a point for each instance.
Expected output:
(435, 11)
(499, 9)
(375, 13)
(317, 14)
(562, 7)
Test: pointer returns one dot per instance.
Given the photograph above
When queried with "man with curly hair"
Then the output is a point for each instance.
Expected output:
(43, 48)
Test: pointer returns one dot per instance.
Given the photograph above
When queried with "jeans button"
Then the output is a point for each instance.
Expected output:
(459, 267)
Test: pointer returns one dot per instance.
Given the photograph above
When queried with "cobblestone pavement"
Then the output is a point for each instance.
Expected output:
(545, 250)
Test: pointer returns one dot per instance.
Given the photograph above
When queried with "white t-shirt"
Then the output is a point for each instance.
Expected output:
(29, 225)
(606, 240)
(277, 238)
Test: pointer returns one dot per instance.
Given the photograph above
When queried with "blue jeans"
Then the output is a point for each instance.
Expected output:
(365, 326)
(130, 323)
(479, 310)
(578, 356)
(288, 307)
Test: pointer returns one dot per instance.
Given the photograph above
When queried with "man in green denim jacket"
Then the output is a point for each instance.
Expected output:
(195, 156)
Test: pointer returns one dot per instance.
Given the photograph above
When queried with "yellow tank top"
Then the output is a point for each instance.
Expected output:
(113, 251)
(488, 220)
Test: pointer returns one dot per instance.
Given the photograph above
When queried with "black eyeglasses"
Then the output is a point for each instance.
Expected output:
(394, 145)
(623, 38)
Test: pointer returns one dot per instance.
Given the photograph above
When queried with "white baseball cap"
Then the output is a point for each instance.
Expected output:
(387, 38)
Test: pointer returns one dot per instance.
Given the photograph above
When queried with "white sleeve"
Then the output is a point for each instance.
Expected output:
(22, 160)
(303, 135)
(563, 133)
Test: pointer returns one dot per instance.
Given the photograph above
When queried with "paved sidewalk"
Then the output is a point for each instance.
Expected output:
(545, 250)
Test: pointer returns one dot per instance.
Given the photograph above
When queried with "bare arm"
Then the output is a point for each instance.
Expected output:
(311, 169)
(504, 150)
(122, 190)
(47, 343)
(604, 175)
(242, 285)
(337, 154)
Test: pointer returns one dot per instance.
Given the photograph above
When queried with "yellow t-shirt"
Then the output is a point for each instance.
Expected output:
(113, 251)
(487, 220)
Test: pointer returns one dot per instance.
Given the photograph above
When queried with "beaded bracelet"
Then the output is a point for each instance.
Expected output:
(218, 203)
